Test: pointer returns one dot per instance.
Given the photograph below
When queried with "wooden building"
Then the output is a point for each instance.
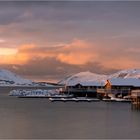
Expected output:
(81, 89)
(117, 87)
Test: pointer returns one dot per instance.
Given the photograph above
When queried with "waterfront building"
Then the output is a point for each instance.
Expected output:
(117, 87)
(82, 89)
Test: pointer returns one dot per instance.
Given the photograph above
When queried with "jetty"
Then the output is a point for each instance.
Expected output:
(77, 99)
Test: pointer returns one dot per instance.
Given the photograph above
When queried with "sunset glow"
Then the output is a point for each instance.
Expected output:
(57, 39)
(7, 51)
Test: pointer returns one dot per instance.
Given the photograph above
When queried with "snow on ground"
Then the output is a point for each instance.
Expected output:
(37, 92)
(131, 73)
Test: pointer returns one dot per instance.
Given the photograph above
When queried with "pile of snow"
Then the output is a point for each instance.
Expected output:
(9, 78)
(37, 92)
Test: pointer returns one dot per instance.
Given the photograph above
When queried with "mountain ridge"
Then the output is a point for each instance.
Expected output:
(9, 78)
(89, 77)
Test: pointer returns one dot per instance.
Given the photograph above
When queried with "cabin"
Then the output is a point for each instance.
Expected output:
(82, 89)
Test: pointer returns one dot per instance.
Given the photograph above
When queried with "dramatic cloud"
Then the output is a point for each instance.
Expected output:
(78, 52)
(55, 62)
(50, 69)
(55, 39)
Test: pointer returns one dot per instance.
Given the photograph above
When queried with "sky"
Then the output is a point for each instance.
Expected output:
(49, 40)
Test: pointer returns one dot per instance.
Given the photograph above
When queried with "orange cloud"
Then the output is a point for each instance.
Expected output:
(13, 59)
(26, 48)
(18, 57)
(120, 63)
(77, 52)
(25, 53)
(7, 51)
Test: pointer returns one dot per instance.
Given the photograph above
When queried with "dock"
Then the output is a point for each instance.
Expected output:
(78, 99)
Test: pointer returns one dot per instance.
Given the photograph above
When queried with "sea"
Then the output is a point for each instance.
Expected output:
(38, 118)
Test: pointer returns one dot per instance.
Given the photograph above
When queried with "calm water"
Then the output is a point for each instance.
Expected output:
(39, 118)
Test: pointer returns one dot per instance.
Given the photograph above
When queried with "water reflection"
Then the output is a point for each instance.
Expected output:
(39, 118)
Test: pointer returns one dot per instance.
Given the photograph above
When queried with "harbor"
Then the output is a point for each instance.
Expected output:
(39, 118)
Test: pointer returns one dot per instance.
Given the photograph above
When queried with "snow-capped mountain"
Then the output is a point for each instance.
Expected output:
(9, 78)
(88, 78)
(131, 73)
(83, 78)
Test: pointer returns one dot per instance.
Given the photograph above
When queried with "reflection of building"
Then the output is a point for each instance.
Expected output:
(135, 96)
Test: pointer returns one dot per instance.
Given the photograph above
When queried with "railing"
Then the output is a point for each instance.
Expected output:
(82, 90)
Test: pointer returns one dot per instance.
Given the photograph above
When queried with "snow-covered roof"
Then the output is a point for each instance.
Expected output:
(85, 83)
(125, 82)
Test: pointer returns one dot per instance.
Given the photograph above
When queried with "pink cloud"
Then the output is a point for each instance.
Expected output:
(77, 52)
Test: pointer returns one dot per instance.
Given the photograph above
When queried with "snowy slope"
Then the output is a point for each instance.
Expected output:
(131, 73)
(125, 77)
(9, 78)
(84, 78)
